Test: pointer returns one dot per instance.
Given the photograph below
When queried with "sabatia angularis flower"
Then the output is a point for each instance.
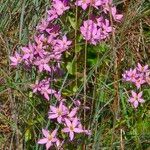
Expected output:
(59, 6)
(72, 127)
(130, 75)
(43, 64)
(136, 99)
(16, 59)
(46, 91)
(139, 81)
(49, 138)
(142, 69)
(83, 3)
(58, 112)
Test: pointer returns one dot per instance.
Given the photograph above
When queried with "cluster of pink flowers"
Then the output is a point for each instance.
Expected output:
(96, 31)
(44, 53)
(138, 76)
(62, 115)
(98, 28)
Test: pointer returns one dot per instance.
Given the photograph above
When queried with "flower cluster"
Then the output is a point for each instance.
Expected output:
(62, 115)
(96, 30)
(44, 53)
(138, 76)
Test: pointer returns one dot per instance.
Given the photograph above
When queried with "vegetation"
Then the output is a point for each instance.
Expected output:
(89, 78)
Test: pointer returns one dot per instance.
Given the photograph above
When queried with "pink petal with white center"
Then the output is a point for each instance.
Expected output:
(45, 132)
(42, 141)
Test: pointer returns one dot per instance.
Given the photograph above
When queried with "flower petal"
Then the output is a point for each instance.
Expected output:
(45, 132)
(66, 130)
(71, 135)
(48, 145)
(78, 130)
(67, 121)
(135, 104)
(43, 141)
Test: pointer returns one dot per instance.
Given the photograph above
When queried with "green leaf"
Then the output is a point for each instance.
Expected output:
(72, 22)
(71, 68)
(28, 135)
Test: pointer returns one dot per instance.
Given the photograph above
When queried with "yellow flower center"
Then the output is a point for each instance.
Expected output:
(71, 128)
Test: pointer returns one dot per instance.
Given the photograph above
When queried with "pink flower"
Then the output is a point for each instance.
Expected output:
(59, 7)
(142, 69)
(117, 17)
(28, 53)
(58, 112)
(49, 138)
(43, 64)
(136, 99)
(52, 14)
(46, 91)
(139, 81)
(72, 127)
(130, 75)
(43, 25)
(147, 78)
(64, 44)
(72, 113)
(16, 59)
(36, 87)
(83, 3)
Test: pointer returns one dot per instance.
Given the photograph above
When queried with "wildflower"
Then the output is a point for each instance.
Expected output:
(43, 64)
(16, 59)
(117, 17)
(28, 52)
(46, 91)
(49, 138)
(43, 25)
(83, 3)
(136, 99)
(52, 14)
(72, 127)
(63, 44)
(147, 78)
(139, 81)
(72, 113)
(59, 7)
(58, 112)
(130, 75)
(142, 69)
(36, 87)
